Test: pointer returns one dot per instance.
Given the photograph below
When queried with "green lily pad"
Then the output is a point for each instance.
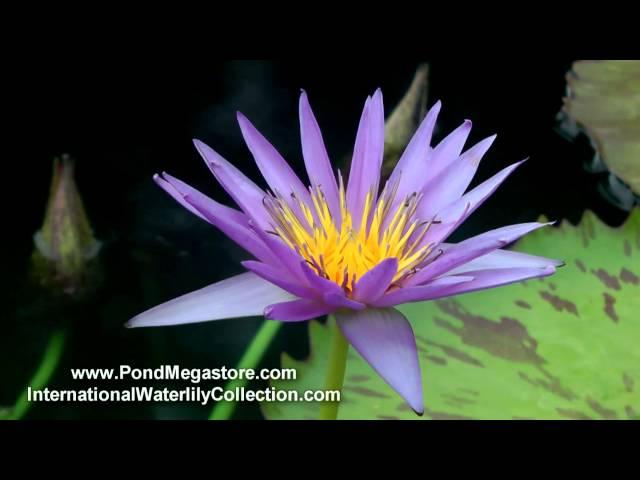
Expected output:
(563, 347)
(605, 101)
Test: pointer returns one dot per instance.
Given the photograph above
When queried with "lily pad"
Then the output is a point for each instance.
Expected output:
(604, 99)
(564, 347)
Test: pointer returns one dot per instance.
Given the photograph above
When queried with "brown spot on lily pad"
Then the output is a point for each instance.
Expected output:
(573, 414)
(628, 276)
(358, 378)
(631, 413)
(445, 416)
(367, 392)
(458, 354)
(523, 304)
(560, 304)
(459, 400)
(601, 410)
(551, 384)
(627, 248)
(508, 338)
(581, 266)
(628, 382)
(436, 360)
(608, 280)
(609, 307)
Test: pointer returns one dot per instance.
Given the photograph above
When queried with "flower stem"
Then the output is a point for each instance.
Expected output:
(41, 378)
(335, 372)
(250, 359)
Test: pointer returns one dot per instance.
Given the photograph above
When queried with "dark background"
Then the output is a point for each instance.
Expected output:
(123, 122)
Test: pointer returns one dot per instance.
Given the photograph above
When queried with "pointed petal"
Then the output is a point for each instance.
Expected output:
(447, 151)
(505, 259)
(483, 279)
(409, 172)
(453, 181)
(364, 175)
(247, 195)
(275, 170)
(453, 215)
(419, 293)
(232, 223)
(480, 280)
(177, 195)
(375, 282)
(471, 248)
(280, 278)
(297, 310)
(384, 338)
(245, 295)
(316, 158)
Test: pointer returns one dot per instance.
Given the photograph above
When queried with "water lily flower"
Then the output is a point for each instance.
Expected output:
(352, 250)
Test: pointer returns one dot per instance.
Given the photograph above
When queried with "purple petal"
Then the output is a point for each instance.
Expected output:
(175, 194)
(297, 310)
(364, 175)
(481, 280)
(375, 282)
(245, 295)
(454, 214)
(186, 190)
(385, 340)
(330, 292)
(454, 180)
(280, 278)
(471, 248)
(318, 283)
(421, 292)
(232, 223)
(340, 300)
(247, 195)
(447, 151)
(505, 259)
(445, 223)
(275, 170)
(409, 172)
(316, 159)
(286, 257)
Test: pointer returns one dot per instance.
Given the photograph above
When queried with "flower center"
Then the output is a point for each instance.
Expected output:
(343, 253)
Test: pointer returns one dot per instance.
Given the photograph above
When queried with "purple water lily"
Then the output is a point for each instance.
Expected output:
(352, 250)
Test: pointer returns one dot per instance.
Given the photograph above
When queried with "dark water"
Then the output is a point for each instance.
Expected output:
(125, 122)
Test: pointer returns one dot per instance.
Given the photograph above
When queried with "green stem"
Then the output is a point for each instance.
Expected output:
(251, 358)
(43, 375)
(335, 371)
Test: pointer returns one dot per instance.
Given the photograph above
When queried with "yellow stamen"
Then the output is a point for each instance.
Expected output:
(339, 252)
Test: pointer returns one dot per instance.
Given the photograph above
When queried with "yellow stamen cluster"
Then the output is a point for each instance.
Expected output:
(342, 253)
